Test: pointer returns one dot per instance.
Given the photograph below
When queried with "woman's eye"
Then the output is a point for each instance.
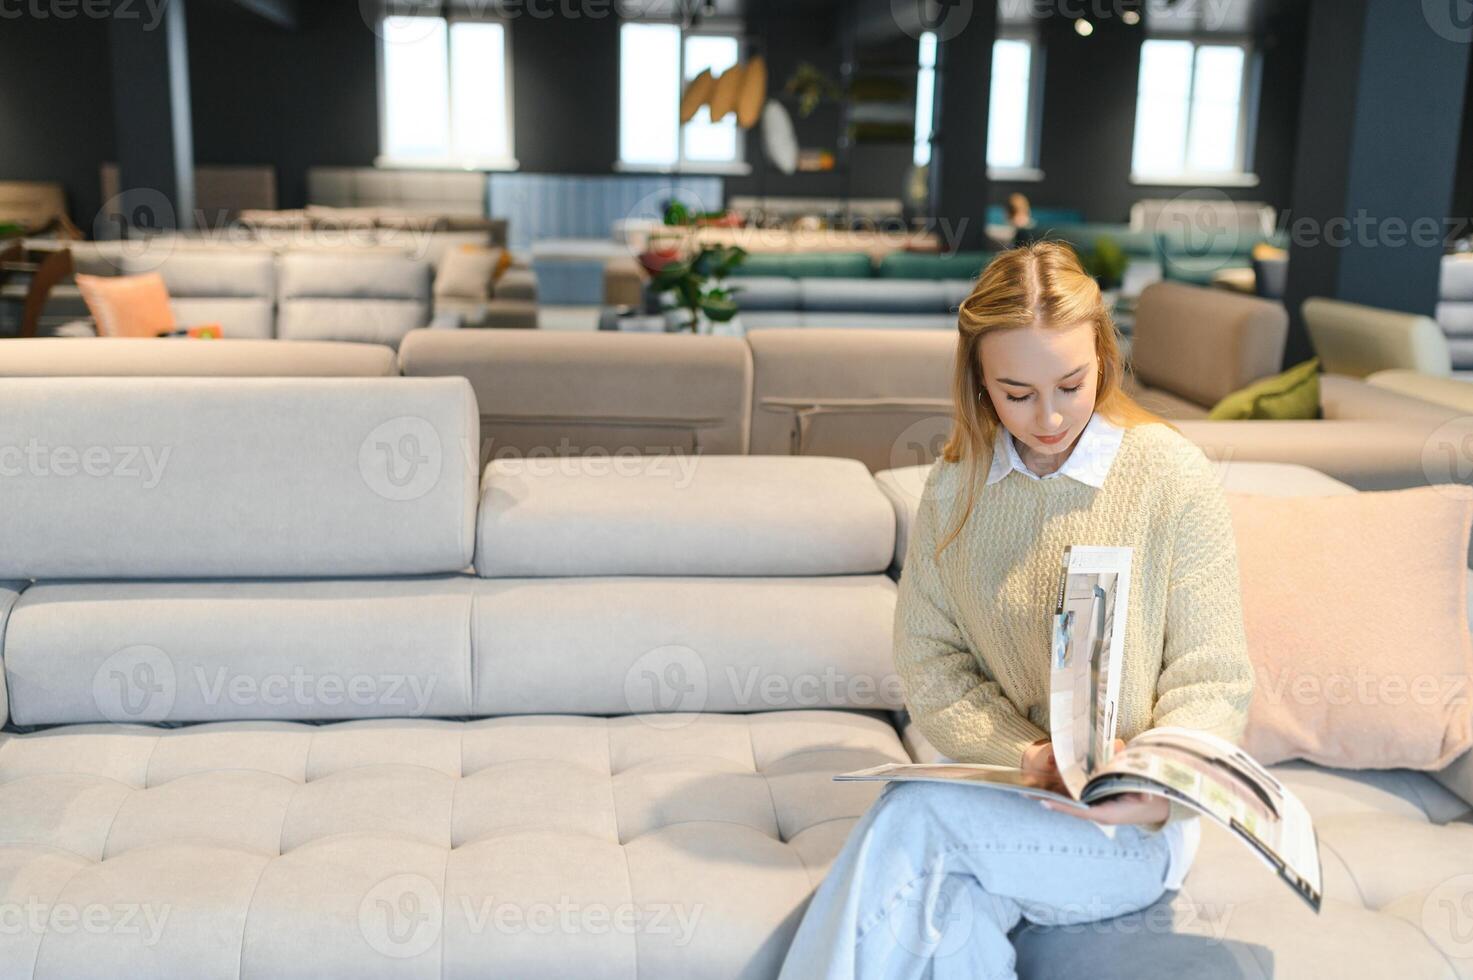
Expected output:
(1015, 398)
(1072, 390)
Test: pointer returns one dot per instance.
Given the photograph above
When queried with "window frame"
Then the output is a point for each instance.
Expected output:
(1242, 174)
(386, 161)
(738, 166)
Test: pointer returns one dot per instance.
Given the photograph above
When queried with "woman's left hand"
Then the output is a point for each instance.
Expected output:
(1140, 808)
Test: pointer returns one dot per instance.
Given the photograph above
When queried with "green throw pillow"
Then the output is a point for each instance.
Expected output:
(1295, 394)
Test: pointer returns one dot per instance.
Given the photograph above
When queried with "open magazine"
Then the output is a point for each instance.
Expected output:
(1197, 769)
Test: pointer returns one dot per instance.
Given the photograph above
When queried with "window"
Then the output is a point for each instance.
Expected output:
(925, 98)
(446, 93)
(1192, 116)
(1012, 110)
(656, 61)
(1013, 106)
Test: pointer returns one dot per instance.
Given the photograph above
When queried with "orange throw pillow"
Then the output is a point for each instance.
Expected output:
(1356, 612)
(128, 306)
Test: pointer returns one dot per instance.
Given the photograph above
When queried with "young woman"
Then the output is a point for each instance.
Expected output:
(1046, 451)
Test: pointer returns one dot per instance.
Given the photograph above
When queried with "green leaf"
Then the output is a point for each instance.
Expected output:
(719, 308)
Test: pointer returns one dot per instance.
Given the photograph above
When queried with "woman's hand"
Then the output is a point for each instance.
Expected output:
(1142, 808)
(1038, 761)
(1139, 808)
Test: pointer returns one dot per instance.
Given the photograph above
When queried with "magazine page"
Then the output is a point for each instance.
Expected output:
(1222, 781)
(1087, 658)
(995, 777)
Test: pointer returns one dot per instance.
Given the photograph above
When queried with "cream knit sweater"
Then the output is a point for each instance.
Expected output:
(972, 628)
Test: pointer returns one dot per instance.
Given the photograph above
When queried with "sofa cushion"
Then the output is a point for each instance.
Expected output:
(1202, 344)
(220, 477)
(1335, 586)
(324, 295)
(1292, 394)
(181, 651)
(965, 266)
(1356, 340)
(882, 397)
(873, 296)
(681, 515)
(47, 357)
(530, 846)
(235, 288)
(755, 293)
(799, 265)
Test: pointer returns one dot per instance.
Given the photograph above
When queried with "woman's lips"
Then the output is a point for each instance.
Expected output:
(1052, 440)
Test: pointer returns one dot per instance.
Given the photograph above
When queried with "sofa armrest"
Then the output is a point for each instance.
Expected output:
(1449, 393)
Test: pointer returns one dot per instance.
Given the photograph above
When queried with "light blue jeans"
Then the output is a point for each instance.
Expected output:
(934, 877)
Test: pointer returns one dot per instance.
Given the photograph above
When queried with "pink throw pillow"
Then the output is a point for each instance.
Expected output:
(1356, 614)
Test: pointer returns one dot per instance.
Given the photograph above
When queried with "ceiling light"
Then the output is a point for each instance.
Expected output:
(1083, 27)
(1131, 17)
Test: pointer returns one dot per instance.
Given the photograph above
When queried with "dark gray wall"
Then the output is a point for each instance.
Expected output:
(1089, 116)
(55, 112)
(309, 97)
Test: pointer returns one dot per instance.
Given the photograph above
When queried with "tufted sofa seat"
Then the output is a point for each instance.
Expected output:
(537, 845)
(1396, 848)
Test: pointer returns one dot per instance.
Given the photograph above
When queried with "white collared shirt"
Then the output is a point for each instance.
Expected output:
(1089, 463)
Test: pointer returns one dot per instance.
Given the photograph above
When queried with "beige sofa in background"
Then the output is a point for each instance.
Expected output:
(43, 357)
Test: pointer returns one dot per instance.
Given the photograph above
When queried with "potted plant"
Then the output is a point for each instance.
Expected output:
(1106, 261)
(698, 286)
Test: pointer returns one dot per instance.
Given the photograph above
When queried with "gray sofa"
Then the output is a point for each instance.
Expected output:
(779, 301)
(573, 718)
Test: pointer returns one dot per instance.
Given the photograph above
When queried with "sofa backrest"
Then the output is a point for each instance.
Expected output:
(324, 295)
(552, 394)
(61, 357)
(1203, 344)
(235, 288)
(138, 478)
(880, 396)
(309, 565)
(1357, 340)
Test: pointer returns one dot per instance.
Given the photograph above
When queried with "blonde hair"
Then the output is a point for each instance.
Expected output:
(1040, 284)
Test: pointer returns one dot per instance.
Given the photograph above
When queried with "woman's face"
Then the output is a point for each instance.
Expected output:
(1043, 385)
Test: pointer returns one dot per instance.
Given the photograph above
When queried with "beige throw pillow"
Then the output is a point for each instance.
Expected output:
(467, 273)
(1356, 614)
